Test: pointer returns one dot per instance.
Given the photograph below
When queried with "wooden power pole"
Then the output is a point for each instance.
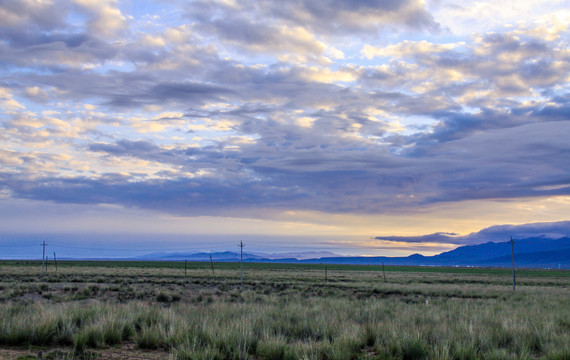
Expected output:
(241, 245)
(43, 244)
(512, 242)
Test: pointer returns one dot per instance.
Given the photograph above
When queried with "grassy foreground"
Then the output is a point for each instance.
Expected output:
(284, 312)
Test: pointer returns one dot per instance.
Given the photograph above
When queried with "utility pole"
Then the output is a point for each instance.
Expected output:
(383, 272)
(512, 242)
(185, 267)
(43, 257)
(55, 261)
(241, 245)
(326, 273)
(212, 263)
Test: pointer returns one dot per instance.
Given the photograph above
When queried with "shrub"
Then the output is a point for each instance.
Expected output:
(162, 297)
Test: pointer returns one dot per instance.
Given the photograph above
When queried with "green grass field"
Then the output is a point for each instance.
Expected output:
(107, 309)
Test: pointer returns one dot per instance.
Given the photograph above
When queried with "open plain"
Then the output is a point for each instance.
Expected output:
(160, 310)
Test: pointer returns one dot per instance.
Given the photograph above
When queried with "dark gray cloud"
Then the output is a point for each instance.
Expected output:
(440, 237)
(288, 168)
(181, 196)
(44, 16)
(139, 149)
(324, 16)
(354, 15)
(496, 233)
(50, 36)
(186, 91)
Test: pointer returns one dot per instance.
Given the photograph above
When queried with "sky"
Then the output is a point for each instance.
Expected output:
(367, 127)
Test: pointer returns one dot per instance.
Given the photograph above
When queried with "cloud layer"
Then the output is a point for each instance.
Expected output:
(249, 108)
(497, 233)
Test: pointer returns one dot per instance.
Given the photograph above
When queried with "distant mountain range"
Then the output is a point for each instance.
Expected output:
(535, 252)
(229, 256)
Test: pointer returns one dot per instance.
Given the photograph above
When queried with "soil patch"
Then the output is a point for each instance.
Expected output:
(124, 352)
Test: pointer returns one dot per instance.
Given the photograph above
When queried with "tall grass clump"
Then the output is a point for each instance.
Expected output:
(238, 341)
(89, 337)
(36, 325)
(274, 348)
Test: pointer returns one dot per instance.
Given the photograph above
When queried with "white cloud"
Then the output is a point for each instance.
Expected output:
(106, 17)
(406, 49)
(7, 100)
(464, 17)
(335, 53)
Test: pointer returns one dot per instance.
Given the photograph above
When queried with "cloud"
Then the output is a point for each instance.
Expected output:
(342, 17)
(7, 100)
(440, 237)
(267, 38)
(105, 18)
(220, 107)
(8, 158)
(40, 33)
(139, 149)
(186, 91)
(462, 17)
(500, 232)
(497, 233)
(276, 171)
(356, 15)
(45, 15)
(406, 48)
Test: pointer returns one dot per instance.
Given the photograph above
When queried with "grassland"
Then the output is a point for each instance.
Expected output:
(142, 310)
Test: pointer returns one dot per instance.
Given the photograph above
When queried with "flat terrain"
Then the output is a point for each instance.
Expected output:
(159, 310)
